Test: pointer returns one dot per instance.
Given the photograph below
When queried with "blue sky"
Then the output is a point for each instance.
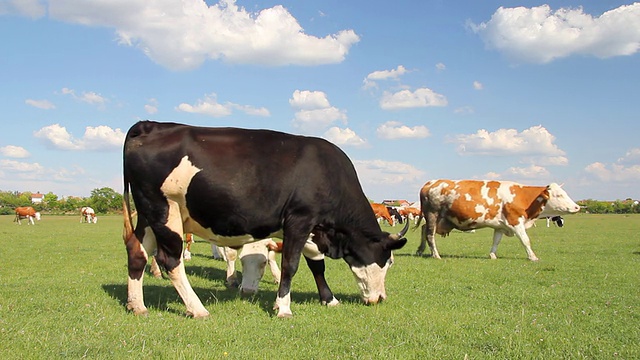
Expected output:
(526, 91)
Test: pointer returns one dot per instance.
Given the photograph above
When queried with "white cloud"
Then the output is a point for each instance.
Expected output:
(478, 85)
(318, 119)
(344, 137)
(14, 151)
(40, 104)
(395, 130)
(535, 140)
(387, 74)
(631, 157)
(151, 107)
(403, 99)
(23, 173)
(540, 35)
(309, 100)
(14, 166)
(625, 170)
(315, 113)
(183, 34)
(614, 173)
(440, 66)
(89, 97)
(528, 174)
(31, 8)
(210, 106)
(95, 138)
(379, 177)
(464, 110)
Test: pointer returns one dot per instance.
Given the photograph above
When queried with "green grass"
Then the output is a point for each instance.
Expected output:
(63, 294)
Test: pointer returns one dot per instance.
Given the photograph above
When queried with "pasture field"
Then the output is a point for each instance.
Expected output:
(63, 294)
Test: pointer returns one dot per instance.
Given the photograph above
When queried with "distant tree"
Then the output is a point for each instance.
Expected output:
(51, 201)
(105, 200)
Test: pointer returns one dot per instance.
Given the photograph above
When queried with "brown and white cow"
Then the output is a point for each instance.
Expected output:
(507, 207)
(27, 212)
(87, 214)
(381, 212)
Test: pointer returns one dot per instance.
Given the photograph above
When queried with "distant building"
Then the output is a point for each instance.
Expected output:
(37, 198)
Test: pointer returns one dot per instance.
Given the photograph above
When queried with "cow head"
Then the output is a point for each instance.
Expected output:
(254, 258)
(369, 259)
(37, 215)
(559, 202)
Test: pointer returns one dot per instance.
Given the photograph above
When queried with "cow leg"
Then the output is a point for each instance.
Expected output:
(155, 269)
(187, 251)
(497, 236)
(521, 233)
(273, 266)
(230, 256)
(30, 220)
(294, 239)
(315, 262)
(170, 254)
(428, 236)
(137, 261)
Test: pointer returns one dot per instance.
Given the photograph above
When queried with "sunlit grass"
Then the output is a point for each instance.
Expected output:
(63, 290)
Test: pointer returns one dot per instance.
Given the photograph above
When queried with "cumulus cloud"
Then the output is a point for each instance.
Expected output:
(344, 137)
(88, 97)
(30, 8)
(540, 35)
(151, 107)
(15, 166)
(95, 138)
(315, 113)
(394, 74)
(393, 130)
(40, 104)
(625, 170)
(478, 85)
(309, 100)
(210, 106)
(13, 151)
(422, 97)
(182, 35)
(33, 173)
(527, 174)
(379, 177)
(535, 140)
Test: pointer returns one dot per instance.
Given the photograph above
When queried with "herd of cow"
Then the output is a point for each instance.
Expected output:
(87, 214)
(235, 187)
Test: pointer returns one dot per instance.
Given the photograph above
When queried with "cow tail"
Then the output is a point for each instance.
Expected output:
(126, 213)
(420, 217)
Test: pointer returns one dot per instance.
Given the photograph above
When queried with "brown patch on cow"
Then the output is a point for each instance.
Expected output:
(492, 193)
(470, 196)
(527, 202)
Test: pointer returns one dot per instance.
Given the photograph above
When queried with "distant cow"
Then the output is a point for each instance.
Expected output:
(556, 220)
(507, 207)
(233, 186)
(88, 215)
(395, 215)
(381, 212)
(410, 213)
(26, 212)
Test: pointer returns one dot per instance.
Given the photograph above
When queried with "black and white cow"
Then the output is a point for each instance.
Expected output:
(232, 186)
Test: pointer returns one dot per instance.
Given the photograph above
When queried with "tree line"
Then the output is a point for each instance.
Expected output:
(103, 201)
(106, 200)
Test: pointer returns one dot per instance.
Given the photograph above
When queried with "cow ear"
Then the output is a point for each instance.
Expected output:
(545, 193)
(395, 244)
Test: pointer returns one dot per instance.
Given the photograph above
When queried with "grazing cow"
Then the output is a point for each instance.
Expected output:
(507, 207)
(556, 220)
(395, 215)
(381, 212)
(232, 186)
(410, 213)
(254, 258)
(26, 212)
(87, 214)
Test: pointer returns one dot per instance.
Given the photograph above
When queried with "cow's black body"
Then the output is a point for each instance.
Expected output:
(255, 182)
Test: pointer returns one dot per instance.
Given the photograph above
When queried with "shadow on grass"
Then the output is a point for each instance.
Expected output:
(159, 297)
